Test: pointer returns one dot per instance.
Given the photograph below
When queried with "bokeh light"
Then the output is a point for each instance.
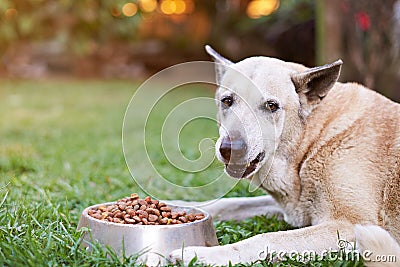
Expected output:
(177, 7)
(115, 12)
(10, 13)
(180, 7)
(129, 9)
(259, 8)
(148, 5)
(168, 7)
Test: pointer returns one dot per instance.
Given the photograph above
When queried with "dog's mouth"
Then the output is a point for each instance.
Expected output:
(243, 170)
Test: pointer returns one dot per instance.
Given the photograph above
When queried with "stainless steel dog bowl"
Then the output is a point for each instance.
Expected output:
(152, 242)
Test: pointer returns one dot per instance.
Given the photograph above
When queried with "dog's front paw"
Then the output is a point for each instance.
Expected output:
(207, 255)
(184, 256)
(217, 255)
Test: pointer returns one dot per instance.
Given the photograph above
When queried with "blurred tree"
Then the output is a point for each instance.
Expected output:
(123, 37)
(365, 34)
(63, 20)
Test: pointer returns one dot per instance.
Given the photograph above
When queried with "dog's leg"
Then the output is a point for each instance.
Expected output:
(236, 208)
(317, 239)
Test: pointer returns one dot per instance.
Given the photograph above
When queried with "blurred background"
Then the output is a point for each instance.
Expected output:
(41, 39)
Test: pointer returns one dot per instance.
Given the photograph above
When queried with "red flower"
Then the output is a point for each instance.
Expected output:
(363, 21)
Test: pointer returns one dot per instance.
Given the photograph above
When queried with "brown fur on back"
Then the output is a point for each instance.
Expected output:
(351, 147)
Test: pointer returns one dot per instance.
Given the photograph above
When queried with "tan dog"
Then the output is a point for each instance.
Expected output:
(327, 153)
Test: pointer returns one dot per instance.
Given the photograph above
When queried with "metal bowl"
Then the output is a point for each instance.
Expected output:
(152, 242)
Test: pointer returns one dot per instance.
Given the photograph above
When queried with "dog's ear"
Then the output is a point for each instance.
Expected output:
(314, 84)
(222, 62)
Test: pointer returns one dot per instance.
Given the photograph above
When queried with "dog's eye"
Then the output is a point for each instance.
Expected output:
(271, 105)
(227, 101)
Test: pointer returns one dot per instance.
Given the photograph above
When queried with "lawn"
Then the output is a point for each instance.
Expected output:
(61, 151)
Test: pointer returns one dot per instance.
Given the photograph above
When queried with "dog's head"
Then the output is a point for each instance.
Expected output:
(262, 103)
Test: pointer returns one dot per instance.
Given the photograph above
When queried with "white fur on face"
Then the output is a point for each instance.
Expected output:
(252, 83)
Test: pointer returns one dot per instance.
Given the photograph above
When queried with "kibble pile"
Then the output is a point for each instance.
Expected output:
(133, 210)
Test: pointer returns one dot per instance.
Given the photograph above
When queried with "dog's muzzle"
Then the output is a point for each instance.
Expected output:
(244, 170)
(233, 152)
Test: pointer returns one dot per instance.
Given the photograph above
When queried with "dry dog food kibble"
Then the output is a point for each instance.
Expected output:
(133, 210)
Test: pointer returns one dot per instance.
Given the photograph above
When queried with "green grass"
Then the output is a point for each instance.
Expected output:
(60, 151)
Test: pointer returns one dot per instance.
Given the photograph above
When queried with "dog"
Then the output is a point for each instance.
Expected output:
(327, 153)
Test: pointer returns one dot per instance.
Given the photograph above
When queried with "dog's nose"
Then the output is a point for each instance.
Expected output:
(234, 149)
